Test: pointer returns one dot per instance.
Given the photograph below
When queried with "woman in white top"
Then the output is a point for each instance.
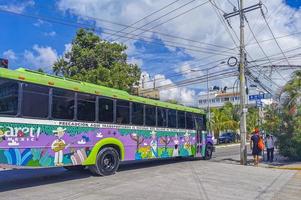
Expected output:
(270, 147)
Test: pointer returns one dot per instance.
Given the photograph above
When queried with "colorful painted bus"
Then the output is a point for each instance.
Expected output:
(47, 121)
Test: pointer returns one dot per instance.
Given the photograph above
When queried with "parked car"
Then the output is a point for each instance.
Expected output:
(228, 137)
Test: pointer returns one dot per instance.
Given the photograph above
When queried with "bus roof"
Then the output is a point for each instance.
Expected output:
(40, 78)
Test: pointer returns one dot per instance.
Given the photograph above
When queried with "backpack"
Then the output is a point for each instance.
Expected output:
(260, 143)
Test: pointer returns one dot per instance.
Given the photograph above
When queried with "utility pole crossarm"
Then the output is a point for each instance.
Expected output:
(244, 10)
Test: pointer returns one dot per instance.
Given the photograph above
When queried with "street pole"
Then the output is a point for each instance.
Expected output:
(243, 110)
(208, 95)
(242, 85)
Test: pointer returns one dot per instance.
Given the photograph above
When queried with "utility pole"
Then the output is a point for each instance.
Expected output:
(208, 101)
(242, 88)
(242, 78)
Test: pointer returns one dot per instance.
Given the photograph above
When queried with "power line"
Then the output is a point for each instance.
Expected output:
(229, 72)
(147, 16)
(86, 26)
(56, 20)
(273, 35)
(172, 11)
(188, 71)
(170, 19)
(260, 45)
(279, 8)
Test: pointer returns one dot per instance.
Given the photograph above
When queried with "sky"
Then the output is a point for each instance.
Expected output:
(176, 42)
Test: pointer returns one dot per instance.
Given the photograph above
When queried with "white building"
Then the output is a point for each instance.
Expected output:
(219, 98)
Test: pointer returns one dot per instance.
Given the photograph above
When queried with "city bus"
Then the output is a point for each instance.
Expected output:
(52, 121)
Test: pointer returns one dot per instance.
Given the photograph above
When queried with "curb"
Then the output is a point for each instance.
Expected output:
(289, 168)
(284, 168)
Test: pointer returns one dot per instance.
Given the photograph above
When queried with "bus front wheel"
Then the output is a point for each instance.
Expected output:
(107, 162)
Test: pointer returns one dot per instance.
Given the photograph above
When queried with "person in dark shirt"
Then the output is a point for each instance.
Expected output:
(254, 146)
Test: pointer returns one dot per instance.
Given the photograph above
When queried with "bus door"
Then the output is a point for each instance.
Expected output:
(200, 136)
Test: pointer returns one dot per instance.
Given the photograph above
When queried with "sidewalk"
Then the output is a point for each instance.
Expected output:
(280, 162)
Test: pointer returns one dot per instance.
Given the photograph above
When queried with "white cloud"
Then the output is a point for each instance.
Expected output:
(184, 96)
(68, 48)
(38, 23)
(50, 34)
(17, 7)
(202, 24)
(41, 57)
(136, 61)
(9, 54)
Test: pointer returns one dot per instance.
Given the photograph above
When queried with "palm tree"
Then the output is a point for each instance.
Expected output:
(224, 119)
(217, 121)
(292, 93)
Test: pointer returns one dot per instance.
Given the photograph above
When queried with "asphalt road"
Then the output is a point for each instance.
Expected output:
(169, 179)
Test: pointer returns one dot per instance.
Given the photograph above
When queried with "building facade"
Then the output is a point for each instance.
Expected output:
(218, 99)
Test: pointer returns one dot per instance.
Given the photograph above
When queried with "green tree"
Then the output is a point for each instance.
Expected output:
(252, 119)
(231, 117)
(217, 121)
(94, 60)
(284, 120)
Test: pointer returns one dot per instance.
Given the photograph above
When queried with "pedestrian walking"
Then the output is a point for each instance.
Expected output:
(256, 145)
(270, 144)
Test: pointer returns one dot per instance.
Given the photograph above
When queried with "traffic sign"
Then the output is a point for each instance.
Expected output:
(256, 97)
(258, 103)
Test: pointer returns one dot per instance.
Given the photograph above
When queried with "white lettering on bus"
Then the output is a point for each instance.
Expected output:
(13, 131)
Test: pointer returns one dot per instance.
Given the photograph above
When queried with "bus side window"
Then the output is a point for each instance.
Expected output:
(62, 104)
(122, 112)
(172, 118)
(150, 115)
(86, 107)
(8, 97)
(161, 115)
(181, 119)
(35, 101)
(105, 109)
(200, 123)
(189, 121)
(137, 113)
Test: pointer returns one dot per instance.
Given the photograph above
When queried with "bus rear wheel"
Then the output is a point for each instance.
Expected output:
(107, 162)
(208, 152)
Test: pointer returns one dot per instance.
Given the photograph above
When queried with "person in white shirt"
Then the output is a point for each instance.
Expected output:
(270, 143)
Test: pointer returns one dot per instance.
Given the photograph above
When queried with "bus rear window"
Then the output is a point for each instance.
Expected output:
(8, 97)
(189, 121)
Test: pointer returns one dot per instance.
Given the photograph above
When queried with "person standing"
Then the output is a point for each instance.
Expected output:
(254, 146)
(270, 147)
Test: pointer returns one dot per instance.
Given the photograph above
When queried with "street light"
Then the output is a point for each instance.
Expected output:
(208, 90)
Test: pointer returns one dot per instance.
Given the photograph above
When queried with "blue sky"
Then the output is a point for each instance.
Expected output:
(22, 33)
(294, 3)
(33, 43)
